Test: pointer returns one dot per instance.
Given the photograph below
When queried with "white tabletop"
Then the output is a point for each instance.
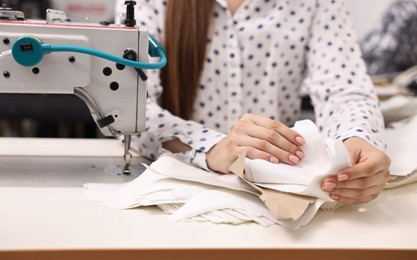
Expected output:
(51, 214)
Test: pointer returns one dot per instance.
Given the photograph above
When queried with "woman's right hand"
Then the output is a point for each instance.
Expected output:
(261, 138)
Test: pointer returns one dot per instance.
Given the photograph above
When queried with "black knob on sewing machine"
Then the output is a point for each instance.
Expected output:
(130, 13)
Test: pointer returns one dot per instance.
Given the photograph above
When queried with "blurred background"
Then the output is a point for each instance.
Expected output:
(366, 14)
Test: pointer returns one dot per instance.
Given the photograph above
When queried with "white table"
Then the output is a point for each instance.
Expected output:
(49, 219)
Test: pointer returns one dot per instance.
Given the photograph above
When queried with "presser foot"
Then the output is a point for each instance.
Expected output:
(128, 158)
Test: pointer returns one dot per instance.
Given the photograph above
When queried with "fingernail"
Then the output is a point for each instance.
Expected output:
(273, 159)
(334, 197)
(299, 154)
(342, 177)
(293, 158)
(329, 186)
(300, 140)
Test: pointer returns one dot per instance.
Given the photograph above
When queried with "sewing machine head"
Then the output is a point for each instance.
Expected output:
(100, 63)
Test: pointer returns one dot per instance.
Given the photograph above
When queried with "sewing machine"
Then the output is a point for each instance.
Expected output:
(103, 64)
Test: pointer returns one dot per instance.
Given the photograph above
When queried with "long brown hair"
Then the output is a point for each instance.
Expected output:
(186, 27)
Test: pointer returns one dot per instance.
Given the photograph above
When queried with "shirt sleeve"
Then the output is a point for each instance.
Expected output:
(161, 125)
(342, 93)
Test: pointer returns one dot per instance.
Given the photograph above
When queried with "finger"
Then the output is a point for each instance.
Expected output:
(267, 140)
(365, 168)
(272, 142)
(378, 179)
(288, 133)
(357, 193)
(268, 148)
(253, 153)
(353, 201)
(349, 195)
(348, 178)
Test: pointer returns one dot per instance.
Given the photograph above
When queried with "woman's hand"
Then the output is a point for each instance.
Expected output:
(365, 179)
(261, 138)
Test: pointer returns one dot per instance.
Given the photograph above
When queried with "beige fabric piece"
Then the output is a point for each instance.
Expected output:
(290, 191)
(284, 206)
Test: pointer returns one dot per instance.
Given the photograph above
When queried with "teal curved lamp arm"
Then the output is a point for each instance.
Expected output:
(29, 51)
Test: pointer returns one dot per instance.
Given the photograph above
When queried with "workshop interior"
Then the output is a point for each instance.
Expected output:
(64, 78)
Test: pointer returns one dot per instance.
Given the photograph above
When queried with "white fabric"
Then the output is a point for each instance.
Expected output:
(398, 108)
(322, 158)
(402, 142)
(192, 194)
(222, 203)
(236, 205)
(191, 200)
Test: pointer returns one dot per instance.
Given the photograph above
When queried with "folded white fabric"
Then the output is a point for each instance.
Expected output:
(398, 108)
(226, 206)
(150, 188)
(188, 198)
(227, 199)
(401, 139)
(323, 157)
(192, 194)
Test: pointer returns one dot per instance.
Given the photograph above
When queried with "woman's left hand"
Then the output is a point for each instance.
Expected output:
(365, 179)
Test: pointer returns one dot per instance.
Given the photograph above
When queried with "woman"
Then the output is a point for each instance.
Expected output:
(233, 83)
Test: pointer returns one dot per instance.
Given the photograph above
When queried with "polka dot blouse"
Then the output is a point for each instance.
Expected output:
(260, 60)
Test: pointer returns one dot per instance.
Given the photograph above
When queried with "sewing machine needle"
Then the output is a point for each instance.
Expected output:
(127, 156)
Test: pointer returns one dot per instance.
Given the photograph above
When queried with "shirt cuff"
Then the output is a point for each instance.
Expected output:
(200, 160)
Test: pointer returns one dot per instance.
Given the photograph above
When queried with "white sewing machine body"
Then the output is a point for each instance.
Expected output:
(108, 89)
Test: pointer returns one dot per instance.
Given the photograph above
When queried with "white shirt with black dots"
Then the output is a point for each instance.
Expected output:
(258, 61)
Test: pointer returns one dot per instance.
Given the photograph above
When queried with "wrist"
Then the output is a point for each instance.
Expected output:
(215, 159)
